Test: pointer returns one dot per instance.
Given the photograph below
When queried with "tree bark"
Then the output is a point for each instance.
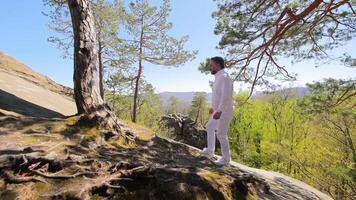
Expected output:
(101, 69)
(134, 112)
(86, 84)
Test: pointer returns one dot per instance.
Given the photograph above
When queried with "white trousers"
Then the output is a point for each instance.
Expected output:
(219, 127)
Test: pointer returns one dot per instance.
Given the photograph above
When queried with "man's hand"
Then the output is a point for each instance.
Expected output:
(211, 110)
(217, 115)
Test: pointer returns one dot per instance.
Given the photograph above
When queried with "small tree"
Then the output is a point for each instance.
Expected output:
(150, 109)
(332, 105)
(198, 110)
(119, 93)
(148, 40)
(172, 105)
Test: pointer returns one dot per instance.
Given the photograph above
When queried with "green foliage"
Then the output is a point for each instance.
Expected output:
(119, 94)
(120, 98)
(150, 111)
(304, 138)
(147, 39)
(108, 15)
(199, 110)
(61, 24)
(172, 105)
(256, 34)
(147, 36)
(246, 130)
(204, 67)
(331, 96)
(332, 105)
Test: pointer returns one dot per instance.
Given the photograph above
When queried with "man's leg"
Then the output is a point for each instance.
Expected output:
(223, 127)
(211, 128)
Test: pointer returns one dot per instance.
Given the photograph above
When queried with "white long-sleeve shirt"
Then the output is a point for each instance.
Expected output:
(222, 93)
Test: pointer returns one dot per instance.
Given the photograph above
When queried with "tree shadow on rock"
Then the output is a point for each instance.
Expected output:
(15, 104)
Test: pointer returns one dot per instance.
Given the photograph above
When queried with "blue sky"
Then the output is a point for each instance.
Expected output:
(24, 33)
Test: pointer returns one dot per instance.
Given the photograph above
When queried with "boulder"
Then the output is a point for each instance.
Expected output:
(185, 130)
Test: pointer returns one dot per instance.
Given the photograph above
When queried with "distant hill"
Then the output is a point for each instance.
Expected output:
(27, 92)
(185, 98)
(295, 92)
(182, 96)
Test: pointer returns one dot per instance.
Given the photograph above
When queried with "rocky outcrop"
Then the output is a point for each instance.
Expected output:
(29, 93)
(58, 159)
(14, 67)
(185, 130)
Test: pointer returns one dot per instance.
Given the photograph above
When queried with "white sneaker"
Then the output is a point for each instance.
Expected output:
(206, 153)
(222, 162)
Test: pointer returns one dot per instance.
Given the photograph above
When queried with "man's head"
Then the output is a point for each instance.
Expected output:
(216, 64)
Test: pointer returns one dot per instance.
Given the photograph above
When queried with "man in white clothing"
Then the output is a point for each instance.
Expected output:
(221, 112)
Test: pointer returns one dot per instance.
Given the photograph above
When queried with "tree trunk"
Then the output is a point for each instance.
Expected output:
(86, 85)
(197, 117)
(134, 112)
(352, 148)
(101, 69)
(114, 100)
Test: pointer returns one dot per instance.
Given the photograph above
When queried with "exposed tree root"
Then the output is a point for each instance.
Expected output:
(76, 166)
(84, 168)
(78, 174)
(19, 151)
(106, 119)
(108, 177)
(11, 178)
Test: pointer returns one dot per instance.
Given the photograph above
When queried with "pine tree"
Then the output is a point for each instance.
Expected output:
(87, 97)
(172, 105)
(198, 110)
(256, 34)
(107, 18)
(148, 40)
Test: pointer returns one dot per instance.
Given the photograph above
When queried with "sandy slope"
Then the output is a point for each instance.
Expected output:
(26, 92)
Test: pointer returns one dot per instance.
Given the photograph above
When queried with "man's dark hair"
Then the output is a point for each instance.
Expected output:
(219, 60)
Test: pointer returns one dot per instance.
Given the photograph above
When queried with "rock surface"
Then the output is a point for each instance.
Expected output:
(184, 129)
(29, 93)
